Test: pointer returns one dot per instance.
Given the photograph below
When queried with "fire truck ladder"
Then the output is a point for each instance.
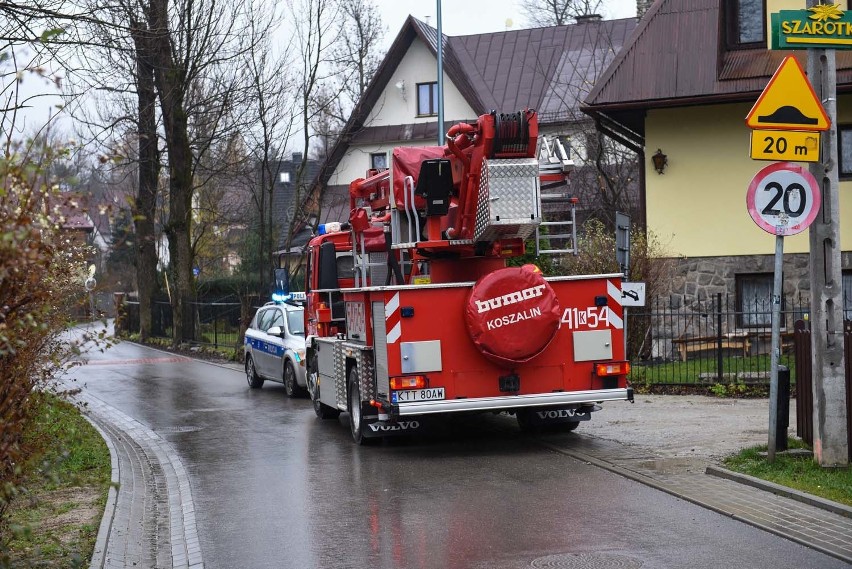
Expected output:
(553, 161)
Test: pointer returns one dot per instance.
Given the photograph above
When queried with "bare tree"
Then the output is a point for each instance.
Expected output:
(272, 107)
(145, 203)
(191, 44)
(544, 13)
(357, 54)
(318, 25)
(606, 177)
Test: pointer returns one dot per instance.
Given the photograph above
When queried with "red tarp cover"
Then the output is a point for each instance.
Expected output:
(406, 162)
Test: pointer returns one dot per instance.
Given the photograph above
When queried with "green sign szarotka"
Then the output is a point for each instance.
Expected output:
(825, 26)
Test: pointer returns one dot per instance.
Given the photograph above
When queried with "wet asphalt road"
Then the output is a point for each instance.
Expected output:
(275, 487)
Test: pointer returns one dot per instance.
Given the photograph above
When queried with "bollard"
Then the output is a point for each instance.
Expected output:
(783, 415)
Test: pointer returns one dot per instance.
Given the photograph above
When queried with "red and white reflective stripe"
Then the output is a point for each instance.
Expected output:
(392, 320)
(614, 292)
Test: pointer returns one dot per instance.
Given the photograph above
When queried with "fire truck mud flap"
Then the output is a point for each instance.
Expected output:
(374, 428)
(536, 418)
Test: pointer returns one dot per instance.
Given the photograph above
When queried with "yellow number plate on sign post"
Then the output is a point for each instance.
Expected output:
(785, 145)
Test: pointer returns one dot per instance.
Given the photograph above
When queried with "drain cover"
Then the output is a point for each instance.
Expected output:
(586, 561)
(180, 429)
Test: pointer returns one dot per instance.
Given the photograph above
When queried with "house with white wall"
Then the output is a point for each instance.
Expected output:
(547, 69)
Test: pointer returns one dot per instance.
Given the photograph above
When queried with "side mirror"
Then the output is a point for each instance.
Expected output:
(276, 331)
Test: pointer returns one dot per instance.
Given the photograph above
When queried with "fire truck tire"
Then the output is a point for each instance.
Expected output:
(356, 409)
(322, 410)
(291, 386)
(254, 380)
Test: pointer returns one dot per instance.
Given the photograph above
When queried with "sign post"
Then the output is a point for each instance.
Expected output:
(823, 28)
(782, 199)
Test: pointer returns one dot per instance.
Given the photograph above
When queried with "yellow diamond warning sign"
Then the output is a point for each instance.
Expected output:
(788, 102)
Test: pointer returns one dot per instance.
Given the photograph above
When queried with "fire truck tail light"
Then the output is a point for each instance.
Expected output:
(612, 368)
(408, 382)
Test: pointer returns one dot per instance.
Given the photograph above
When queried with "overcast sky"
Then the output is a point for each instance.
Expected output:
(459, 17)
(464, 17)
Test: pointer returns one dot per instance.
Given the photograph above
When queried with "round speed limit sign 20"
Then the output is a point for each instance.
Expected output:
(783, 198)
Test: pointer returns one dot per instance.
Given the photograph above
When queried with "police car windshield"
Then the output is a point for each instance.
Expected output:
(296, 322)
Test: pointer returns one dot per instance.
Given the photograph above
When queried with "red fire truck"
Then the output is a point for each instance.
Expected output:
(413, 314)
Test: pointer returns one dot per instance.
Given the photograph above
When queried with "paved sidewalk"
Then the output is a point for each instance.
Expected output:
(818, 524)
(149, 520)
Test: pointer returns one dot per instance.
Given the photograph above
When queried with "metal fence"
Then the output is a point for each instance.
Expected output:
(804, 387)
(708, 341)
(213, 323)
(672, 341)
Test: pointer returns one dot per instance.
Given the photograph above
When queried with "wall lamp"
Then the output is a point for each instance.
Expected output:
(400, 85)
(660, 161)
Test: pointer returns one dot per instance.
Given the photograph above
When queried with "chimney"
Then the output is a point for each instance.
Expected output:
(585, 18)
(297, 158)
(642, 7)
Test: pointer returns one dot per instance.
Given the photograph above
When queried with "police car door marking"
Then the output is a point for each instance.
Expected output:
(392, 319)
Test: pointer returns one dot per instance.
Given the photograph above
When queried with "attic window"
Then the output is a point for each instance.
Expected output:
(379, 161)
(427, 99)
(746, 23)
(284, 177)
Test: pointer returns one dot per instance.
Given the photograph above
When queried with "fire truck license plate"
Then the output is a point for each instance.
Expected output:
(412, 395)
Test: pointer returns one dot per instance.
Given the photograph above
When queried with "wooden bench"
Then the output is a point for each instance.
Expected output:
(686, 346)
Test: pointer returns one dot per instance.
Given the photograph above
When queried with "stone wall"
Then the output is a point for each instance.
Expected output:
(704, 277)
(687, 306)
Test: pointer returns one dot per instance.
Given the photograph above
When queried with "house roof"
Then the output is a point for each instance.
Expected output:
(549, 69)
(73, 208)
(677, 57)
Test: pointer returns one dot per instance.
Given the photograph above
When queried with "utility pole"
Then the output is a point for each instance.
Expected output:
(440, 47)
(827, 340)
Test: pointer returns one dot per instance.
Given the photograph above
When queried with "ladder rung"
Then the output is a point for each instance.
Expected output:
(551, 251)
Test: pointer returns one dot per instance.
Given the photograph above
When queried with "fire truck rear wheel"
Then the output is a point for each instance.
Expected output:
(356, 409)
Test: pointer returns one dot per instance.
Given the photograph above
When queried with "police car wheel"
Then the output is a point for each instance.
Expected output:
(291, 386)
(254, 380)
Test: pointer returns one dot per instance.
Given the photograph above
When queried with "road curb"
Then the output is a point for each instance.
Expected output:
(799, 496)
(101, 541)
(184, 550)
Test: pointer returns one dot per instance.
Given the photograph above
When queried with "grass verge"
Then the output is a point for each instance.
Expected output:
(799, 472)
(53, 521)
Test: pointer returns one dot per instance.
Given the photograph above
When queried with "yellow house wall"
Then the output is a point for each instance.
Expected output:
(697, 208)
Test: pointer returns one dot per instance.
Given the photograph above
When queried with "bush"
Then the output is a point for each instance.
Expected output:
(42, 269)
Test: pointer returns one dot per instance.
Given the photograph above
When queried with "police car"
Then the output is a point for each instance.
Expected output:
(274, 347)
